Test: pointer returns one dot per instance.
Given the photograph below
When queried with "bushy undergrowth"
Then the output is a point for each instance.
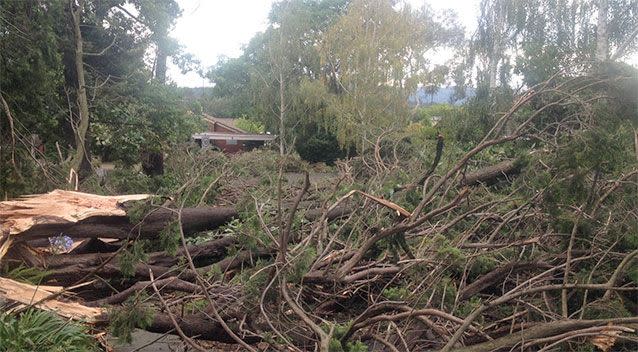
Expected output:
(41, 331)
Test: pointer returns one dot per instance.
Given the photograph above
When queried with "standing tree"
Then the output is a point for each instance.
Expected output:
(81, 160)
(376, 56)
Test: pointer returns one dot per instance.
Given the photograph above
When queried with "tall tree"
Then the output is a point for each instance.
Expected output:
(376, 57)
(537, 38)
(274, 63)
(602, 35)
(81, 159)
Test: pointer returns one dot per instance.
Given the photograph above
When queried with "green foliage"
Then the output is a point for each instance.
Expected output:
(158, 118)
(373, 89)
(482, 264)
(214, 271)
(466, 126)
(26, 274)
(356, 346)
(467, 307)
(319, 147)
(396, 293)
(606, 310)
(42, 331)
(254, 282)
(250, 125)
(599, 149)
(301, 265)
(453, 255)
(170, 238)
(195, 306)
(137, 210)
(124, 180)
(131, 256)
(428, 115)
(336, 344)
(132, 314)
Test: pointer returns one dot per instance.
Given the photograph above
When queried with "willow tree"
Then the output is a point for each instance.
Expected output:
(376, 58)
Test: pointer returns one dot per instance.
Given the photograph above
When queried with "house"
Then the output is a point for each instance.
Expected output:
(223, 134)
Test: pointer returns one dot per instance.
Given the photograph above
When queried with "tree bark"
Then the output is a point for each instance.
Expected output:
(161, 58)
(491, 174)
(498, 275)
(202, 253)
(282, 113)
(337, 212)
(195, 325)
(80, 162)
(602, 34)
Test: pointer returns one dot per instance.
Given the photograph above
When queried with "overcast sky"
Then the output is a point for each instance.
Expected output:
(209, 29)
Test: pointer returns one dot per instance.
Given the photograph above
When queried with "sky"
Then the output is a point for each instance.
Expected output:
(209, 29)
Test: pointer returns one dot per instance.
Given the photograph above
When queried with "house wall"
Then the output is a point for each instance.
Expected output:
(229, 148)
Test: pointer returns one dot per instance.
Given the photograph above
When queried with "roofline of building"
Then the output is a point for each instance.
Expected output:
(234, 136)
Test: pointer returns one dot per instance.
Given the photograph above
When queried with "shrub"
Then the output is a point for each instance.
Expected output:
(37, 330)
(319, 147)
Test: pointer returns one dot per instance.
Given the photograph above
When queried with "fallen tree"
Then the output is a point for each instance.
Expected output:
(463, 258)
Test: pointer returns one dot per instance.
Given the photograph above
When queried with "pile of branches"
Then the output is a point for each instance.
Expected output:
(464, 257)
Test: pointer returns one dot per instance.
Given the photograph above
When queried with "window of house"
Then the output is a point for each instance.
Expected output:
(231, 142)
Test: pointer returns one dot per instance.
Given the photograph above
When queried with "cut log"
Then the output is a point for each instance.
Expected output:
(65, 272)
(168, 284)
(88, 216)
(70, 274)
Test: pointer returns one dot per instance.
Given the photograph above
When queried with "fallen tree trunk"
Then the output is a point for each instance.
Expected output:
(199, 324)
(499, 275)
(86, 215)
(170, 283)
(206, 252)
(66, 275)
(489, 175)
(337, 212)
(195, 325)
(193, 220)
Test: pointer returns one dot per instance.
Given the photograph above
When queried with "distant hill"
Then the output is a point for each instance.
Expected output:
(443, 96)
